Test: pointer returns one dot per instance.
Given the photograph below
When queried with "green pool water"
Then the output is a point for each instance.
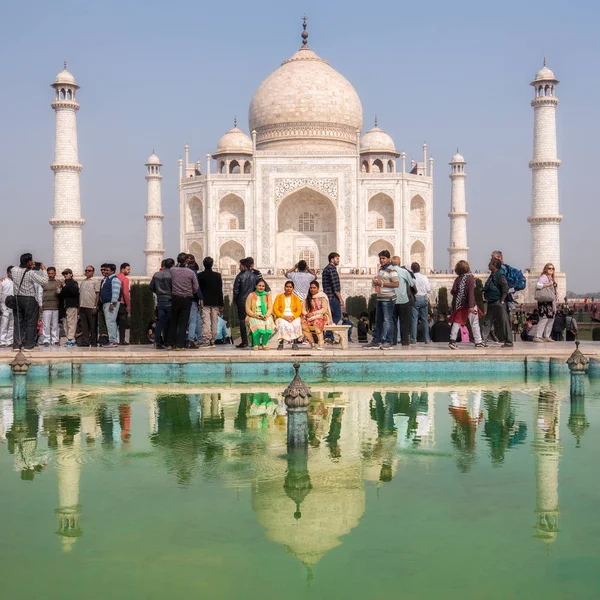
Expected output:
(457, 491)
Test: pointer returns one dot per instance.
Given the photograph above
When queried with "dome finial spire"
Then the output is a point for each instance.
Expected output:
(375, 120)
(235, 120)
(544, 61)
(304, 32)
(65, 64)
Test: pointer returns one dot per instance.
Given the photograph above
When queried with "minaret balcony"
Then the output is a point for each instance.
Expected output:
(75, 168)
(545, 219)
(545, 163)
(74, 223)
(544, 101)
(458, 214)
(65, 104)
(154, 216)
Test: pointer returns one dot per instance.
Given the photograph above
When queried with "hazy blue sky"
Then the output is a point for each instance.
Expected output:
(156, 75)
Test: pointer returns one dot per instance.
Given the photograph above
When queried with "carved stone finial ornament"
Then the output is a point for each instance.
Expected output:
(297, 395)
(20, 365)
(577, 362)
(304, 32)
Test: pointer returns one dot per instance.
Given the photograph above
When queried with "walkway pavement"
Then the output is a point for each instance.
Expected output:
(416, 352)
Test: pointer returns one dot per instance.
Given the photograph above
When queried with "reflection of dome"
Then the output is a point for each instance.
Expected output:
(377, 140)
(235, 141)
(306, 99)
(333, 508)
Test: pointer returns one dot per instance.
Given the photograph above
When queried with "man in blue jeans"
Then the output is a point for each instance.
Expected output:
(331, 287)
(421, 305)
(385, 284)
(161, 285)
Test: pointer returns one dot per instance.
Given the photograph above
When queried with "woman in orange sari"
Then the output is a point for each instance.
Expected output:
(315, 315)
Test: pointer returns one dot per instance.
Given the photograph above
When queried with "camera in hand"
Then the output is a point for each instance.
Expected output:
(37, 266)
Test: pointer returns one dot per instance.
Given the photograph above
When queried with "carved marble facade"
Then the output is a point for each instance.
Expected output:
(304, 183)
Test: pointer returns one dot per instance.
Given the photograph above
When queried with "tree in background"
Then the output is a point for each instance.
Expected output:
(443, 302)
(142, 312)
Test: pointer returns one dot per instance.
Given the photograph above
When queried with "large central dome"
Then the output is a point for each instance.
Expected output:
(305, 104)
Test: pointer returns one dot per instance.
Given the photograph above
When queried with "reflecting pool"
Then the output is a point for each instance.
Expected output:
(413, 491)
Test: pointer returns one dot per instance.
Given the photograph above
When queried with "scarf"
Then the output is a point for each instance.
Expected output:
(261, 302)
(461, 299)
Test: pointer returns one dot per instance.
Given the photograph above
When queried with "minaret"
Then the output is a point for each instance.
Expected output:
(66, 221)
(545, 219)
(154, 235)
(547, 448)
(458, 212)
(68, 473)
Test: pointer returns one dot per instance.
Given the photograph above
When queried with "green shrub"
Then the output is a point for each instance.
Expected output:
(443, 301)
(142, 312)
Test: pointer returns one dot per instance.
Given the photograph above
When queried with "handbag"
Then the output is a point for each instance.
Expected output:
(545, 295)
(11, 301)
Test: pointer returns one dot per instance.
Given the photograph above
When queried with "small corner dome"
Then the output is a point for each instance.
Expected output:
(544, 73)
(65, 77)
(153, 160)
(235, 141)
(458, 158)
(377, 140)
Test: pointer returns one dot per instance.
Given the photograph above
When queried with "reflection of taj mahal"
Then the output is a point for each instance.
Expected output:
(306, 183)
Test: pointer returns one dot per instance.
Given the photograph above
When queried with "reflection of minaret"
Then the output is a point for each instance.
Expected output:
(68, 471)
(546, 447)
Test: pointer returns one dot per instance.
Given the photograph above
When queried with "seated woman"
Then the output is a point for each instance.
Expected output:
(259, 308)
(315, 314)
(287, 309)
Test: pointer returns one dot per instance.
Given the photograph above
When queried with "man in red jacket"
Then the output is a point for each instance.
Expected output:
(124, 313)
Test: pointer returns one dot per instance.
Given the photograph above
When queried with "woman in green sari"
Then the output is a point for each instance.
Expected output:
(259, 311)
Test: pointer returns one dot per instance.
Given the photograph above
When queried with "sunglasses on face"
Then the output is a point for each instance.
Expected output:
(89, 270)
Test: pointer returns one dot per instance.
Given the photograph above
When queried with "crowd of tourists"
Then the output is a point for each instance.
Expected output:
(37, 308)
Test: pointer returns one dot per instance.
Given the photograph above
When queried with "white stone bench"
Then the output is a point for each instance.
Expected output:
(341, 331)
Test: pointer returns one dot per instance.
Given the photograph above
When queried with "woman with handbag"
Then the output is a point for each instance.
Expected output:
(545, 294)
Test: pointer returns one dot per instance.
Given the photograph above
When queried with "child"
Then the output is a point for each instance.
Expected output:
(346, 321)
(150, 332)
(363, 328)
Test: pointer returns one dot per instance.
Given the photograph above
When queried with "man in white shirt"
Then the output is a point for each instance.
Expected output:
(6, 315)
(421, 305)
(302, 277)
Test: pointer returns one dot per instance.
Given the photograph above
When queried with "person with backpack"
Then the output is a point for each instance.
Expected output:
(110, 292)
(420, 307)
(495, 292)
(405, 300)
(571, 326)
(25, 306)
(514, 277)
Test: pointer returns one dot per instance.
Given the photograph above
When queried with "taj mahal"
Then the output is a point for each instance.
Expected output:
(307, 181)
